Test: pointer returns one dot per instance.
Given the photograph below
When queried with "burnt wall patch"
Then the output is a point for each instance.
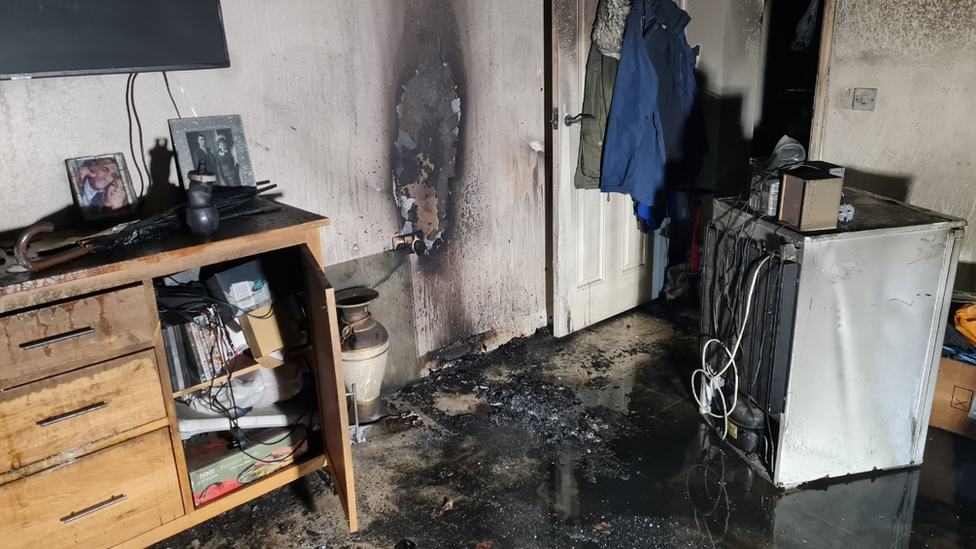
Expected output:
(428, 115)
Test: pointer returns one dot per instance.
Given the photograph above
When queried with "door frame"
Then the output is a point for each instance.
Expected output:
(818, 131)
(549, 37)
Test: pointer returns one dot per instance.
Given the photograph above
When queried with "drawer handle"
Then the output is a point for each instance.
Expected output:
(79, 412)
(57, 339)
(94, 508)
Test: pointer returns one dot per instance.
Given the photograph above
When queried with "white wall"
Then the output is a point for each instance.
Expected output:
(744, 56)
(731, 61)
(919, 144)
(317, 83)
(311, 80)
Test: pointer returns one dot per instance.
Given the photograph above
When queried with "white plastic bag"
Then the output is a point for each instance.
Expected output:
(257, 389)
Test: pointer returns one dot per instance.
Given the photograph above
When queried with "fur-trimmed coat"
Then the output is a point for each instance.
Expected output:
(608, 29)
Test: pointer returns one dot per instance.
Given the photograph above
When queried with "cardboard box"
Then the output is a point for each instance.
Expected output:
(955, 389)
(244, 287)
(810, 199)
(270, 329)
(215, 469)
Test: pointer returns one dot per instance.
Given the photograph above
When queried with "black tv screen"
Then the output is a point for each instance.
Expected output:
(40, 38)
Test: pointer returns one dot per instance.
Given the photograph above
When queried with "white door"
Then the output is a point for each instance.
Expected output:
(602, 264)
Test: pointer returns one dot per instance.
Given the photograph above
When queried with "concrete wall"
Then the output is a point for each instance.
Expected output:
(317, 83)
(919, 143)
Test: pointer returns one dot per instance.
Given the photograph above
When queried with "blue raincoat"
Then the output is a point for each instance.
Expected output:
(656, 132)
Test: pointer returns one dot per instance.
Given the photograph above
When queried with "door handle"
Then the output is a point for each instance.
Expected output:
(579, 118)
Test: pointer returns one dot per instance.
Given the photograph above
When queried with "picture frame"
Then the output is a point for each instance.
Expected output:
(217, 140)
(101, 186)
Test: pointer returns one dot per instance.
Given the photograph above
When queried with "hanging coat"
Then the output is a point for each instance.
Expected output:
(656, 133)
(606, 42)
(601, 72)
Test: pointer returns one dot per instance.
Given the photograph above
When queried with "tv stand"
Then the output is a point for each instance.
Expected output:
(95, 456)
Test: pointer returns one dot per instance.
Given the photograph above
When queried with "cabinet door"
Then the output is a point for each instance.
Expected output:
(331, 385)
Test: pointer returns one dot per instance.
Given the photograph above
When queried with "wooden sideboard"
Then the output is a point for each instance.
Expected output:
(89, 439)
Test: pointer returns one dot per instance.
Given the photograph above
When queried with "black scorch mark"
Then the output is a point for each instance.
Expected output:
(425, 151)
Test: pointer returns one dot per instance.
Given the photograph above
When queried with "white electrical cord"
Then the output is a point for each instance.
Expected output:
(715, 380)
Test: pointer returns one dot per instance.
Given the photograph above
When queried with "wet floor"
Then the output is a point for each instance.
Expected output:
(592, 442)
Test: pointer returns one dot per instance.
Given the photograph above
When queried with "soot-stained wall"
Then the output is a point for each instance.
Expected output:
(918, 144)
(493, 263)
(318, 84)
(425, 158)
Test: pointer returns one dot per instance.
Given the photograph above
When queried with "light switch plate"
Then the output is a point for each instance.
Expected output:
(865, 99)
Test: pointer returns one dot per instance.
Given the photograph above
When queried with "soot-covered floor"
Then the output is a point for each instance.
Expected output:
(590, 442)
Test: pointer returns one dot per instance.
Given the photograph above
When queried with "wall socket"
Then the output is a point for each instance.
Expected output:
(865, 99)
(412, 243)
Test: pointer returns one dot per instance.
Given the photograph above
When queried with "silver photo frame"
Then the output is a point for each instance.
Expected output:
(217, 140)
(101, 186)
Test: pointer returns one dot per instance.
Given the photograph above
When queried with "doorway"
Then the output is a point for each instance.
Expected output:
(794, 36)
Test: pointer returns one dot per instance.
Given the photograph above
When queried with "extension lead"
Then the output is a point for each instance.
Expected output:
(714, 381)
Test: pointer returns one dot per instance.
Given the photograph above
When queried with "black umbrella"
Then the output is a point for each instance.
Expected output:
(228, 201)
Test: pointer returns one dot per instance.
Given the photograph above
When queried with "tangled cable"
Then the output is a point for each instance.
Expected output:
(714, 381)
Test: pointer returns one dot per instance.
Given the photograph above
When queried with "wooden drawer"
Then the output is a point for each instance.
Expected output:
(98, 501)
(37, 343)
(63, 412)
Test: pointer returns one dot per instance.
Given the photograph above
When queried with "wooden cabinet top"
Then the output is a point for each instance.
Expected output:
(159, 256)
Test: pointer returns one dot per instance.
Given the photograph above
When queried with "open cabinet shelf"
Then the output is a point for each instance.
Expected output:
(243, 364)
(120, 436)
(290, 271)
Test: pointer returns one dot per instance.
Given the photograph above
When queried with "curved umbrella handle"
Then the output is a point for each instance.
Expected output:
(20, 250)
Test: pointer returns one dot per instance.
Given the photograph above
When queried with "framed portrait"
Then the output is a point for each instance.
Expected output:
(101, 186)
(219, 142)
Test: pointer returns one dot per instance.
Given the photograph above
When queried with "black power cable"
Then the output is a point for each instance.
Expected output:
(142, 144)
(219, 334)
(132, 147)
(207, 298)
(170, 92)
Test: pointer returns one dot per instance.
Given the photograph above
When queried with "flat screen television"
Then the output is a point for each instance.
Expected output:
(42, 38)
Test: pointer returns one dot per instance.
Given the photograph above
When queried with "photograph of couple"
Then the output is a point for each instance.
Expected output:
(219, 142)
(101, 185)
(217, 149)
